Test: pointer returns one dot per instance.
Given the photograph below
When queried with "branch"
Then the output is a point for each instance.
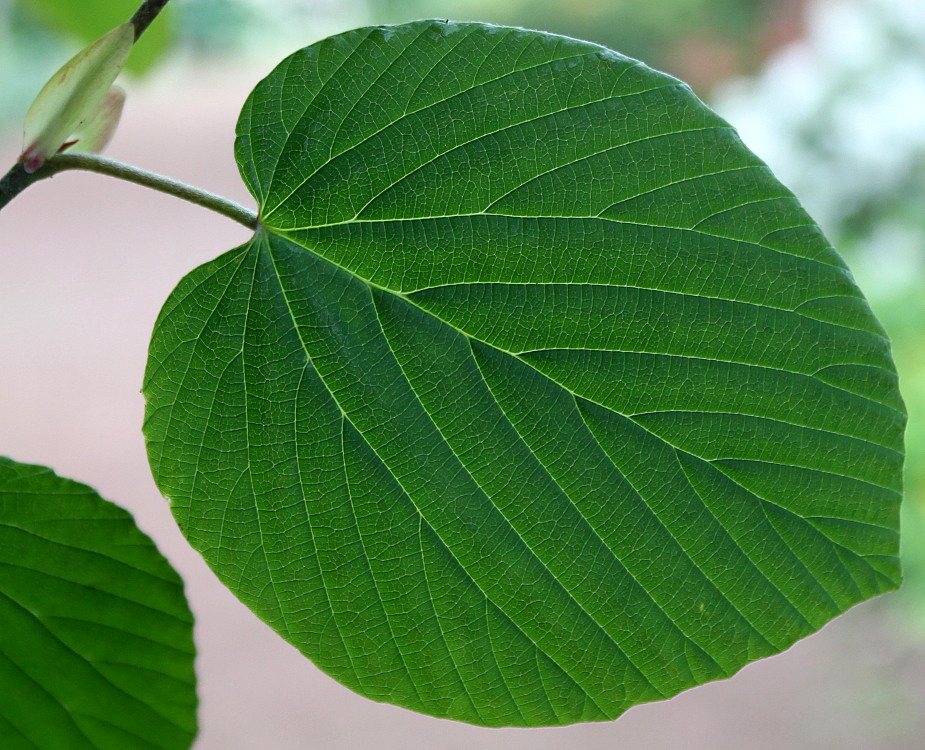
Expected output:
(145, 14)
(17, 180)
(14, 182)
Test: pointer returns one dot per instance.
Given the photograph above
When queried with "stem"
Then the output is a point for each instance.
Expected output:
(17, 180)
(13, 183)
(145, 14)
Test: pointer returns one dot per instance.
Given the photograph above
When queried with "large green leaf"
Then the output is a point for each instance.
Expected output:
(535, 396)
(96, 644)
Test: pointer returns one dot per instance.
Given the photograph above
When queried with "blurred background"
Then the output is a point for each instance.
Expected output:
(831, 93)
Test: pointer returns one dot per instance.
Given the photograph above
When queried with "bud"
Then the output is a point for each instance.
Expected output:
(75, 95)
(97, 130)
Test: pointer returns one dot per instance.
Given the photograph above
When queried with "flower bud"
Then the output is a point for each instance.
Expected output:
(97, 130)
(73, 95)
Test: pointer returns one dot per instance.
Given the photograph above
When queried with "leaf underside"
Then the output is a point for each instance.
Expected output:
(535, 396)
(96, 638)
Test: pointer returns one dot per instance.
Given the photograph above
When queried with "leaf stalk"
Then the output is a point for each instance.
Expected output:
(17, 180)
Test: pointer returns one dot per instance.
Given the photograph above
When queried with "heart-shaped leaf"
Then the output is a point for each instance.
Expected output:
(535, 396)
(96, 641)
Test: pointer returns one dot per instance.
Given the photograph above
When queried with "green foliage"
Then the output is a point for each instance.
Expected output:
(535, 396)
(903, 314)
(89, 19)
(693, 37)
(96, 646)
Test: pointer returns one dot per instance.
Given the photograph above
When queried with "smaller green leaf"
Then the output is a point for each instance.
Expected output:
(96, 646)
(73, 94)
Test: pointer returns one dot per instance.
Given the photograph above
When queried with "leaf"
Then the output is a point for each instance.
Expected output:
(87, 19)
(73, 95)
(96, 646)
(535, 396)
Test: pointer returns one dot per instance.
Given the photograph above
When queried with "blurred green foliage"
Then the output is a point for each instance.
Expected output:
(902, 313)
(88, 20)
(701, 41)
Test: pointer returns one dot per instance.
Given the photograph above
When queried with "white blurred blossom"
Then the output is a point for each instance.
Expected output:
(840, 117)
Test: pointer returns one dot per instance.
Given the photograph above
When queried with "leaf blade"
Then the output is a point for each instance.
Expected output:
(527, 343)
(96, 649)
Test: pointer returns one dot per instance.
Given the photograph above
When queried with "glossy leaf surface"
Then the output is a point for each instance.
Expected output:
(96, 646)
(536, 396)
